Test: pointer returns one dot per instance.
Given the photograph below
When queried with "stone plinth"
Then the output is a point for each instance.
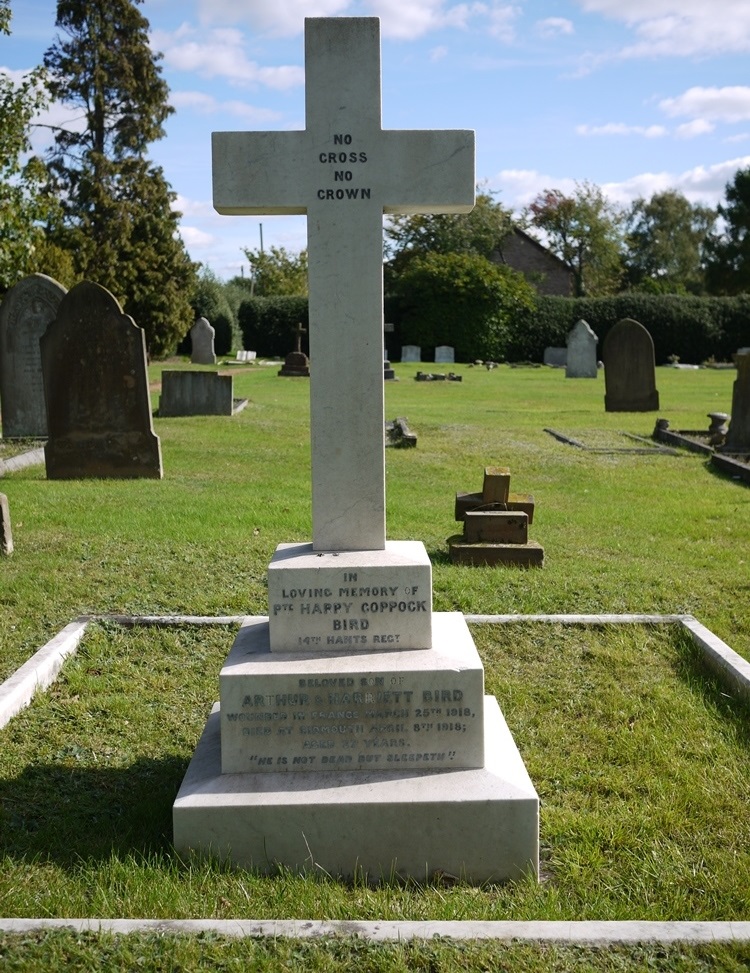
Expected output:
(371, 597)
(526, 555)
(481, 824)
(196, 394)
(361, 710)
(516, 501)
(496, 526)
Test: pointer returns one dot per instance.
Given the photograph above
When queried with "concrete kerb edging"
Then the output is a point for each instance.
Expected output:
(585, 933)
(42, 668)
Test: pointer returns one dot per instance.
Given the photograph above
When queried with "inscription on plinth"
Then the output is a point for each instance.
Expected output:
(386, 710)
(353, 600)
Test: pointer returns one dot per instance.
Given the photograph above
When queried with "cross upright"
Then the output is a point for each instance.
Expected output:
(344, 172)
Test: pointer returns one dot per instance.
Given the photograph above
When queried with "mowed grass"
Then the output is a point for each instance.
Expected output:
(638, 755)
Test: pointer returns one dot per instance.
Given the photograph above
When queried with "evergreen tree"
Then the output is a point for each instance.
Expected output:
(728, 253)
(118, 223)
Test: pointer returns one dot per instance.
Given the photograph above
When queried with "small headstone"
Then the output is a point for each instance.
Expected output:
(411, 353)
(6, 538)
(581, 352)
(25, 312)
(196, 394)
(296, 362)
(202, 337)
(96, 388)
(444, 355)
(556, 357)
(738, 434)
(629, 369)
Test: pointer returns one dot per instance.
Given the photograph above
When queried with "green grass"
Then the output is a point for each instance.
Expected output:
(639, 757)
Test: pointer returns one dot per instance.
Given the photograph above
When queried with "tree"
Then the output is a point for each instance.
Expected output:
(277, 273)
(665, 242)
(480, 232)
(728, 252)
(25, 204)
(462, 300)
(210, 301)
(118, 217)
(584, 230)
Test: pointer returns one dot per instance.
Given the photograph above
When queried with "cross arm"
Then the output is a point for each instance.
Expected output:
(258, 173)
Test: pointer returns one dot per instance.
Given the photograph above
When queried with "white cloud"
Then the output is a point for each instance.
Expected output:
(408, 19)
(205, 104)
(691, 130)
(220, 53)
(729, 104)
(679, 27)
(193, 237)
(619, 128)
(438, 53)
(554, 27)
(278, 17)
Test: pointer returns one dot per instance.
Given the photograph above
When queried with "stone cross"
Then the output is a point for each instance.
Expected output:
(344, 172)
(299, 331)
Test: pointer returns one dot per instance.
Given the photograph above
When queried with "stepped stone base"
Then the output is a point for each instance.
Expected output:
(526, 555)
(481, 825)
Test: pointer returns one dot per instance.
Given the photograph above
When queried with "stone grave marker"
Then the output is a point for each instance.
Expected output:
(411, 353)
(202, 336)
(738, 434)
(6, 535)
(25, 312)
(629, 369)
(296, 362)
(196, 394)
(336, 710)
(556, 357)
(581, 359)
(96, 389)
(444, 355)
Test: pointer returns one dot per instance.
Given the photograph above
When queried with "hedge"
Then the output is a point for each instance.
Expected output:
(269, 324)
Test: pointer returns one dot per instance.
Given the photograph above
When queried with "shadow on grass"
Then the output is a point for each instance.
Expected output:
(66, 814)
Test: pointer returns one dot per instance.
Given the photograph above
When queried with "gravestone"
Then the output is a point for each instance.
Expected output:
(738, 434)
(296, 362)
(444, 355)
(6, 536)
(202, 336)
(629, 369)
(555, 357)
(196, 394)
(353, 733)
(96, 389)
(581, 359)
(25, 312)
(411, 353)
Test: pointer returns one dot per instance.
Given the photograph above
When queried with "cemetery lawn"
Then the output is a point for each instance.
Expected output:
(640, 758)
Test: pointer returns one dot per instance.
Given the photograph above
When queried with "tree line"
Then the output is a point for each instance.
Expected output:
(96, 206)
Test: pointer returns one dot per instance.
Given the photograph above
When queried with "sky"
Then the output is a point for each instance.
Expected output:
(635, 96)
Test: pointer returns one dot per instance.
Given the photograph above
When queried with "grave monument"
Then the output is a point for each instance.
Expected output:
(581, 352)
(629, 369)
(353, 733)
(738, 434)
(25, 312)
(202, 336)
(96, 390)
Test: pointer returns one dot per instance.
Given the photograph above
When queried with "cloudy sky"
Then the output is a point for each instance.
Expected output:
(636, 96)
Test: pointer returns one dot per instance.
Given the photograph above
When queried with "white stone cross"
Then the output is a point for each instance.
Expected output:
(344, 172)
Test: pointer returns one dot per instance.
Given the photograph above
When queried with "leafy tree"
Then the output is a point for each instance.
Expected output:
(211, 301)
(276, 273)
(665, 241)
(25, 205)
(480, 232)
(584, 230)
(728, 252)
(462, 300)
(118, 217)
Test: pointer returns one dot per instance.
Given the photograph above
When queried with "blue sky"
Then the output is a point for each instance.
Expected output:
(636, 96)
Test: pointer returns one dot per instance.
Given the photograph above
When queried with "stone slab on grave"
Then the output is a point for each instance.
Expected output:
(418, 802)
(444, 355)
(384, 595)
(25, 312)
(528, 555)
(555, 357)
(496, 526)
(515, 501)
(480, 825)
(96, 390)
(411, 353)
(196, 394)
(202, 335)
(326, 711)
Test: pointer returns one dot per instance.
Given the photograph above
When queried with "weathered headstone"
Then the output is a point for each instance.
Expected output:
(202, 336)
(411, 353)
(629, 369)
(6, 535)
(444, 355)
(25, 312)
(581, 352)
(348, 680)
(96, 389)
(555, 357)
(196, 394)
(738, 434)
